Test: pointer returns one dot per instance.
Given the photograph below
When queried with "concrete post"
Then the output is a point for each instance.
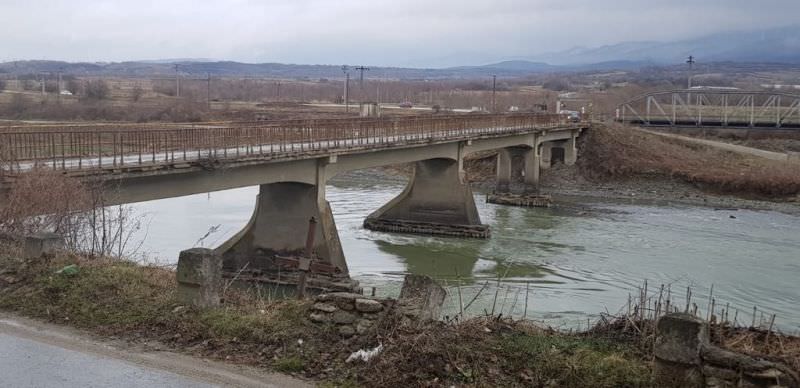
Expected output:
(546, 155)
(199, 277)
(571, 151)
(42, 244)
(531, 168)
(503, 171)
(421, 298)
(677, 351)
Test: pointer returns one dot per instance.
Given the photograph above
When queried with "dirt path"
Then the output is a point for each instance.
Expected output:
(740, 149)
(34, 354)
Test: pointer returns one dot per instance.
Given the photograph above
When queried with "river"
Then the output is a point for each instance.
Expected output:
(572, 262)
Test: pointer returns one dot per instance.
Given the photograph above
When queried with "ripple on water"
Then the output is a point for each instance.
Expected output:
(576, 261)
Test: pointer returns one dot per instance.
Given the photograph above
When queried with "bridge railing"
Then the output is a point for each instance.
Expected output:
(115, 147)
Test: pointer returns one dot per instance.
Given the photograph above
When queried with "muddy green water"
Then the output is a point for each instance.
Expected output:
(576, 261)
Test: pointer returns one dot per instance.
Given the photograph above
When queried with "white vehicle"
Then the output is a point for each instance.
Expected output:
(66, 93)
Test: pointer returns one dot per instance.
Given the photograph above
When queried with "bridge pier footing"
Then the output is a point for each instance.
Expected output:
(437, 200)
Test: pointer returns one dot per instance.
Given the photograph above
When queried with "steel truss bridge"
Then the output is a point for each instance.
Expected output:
(713, 108)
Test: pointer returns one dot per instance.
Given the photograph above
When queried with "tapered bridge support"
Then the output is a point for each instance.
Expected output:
(271, 244)
(437, 201)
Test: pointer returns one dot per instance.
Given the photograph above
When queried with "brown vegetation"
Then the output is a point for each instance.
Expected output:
(615, 151)
(120, 299)
(43, 200)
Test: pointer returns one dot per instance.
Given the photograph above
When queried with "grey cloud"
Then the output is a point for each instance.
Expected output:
(380, 32)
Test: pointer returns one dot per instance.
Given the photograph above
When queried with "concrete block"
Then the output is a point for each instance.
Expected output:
(679, 341)
(199, 277)
(421, 297)
(680, 338)
(42, 244)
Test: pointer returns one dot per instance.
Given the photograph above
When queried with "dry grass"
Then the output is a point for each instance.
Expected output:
(622, 152)
(118, 298)
(730, 329)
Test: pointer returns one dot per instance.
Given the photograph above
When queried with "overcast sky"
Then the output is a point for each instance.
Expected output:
(420, 33)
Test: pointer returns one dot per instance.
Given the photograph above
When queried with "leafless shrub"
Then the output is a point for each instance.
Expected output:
(46, 200)
(97, 89)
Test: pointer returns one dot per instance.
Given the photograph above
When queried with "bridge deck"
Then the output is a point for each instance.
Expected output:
(86, 149)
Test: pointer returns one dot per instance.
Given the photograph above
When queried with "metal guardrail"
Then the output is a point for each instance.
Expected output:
(68, 148)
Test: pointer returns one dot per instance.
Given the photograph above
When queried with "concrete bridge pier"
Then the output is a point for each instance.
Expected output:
(531, 170)
(531, 165)
(546, 155)
(278, 227)
(275, 237)
(503, 181)
(571, 150)
(437, 200)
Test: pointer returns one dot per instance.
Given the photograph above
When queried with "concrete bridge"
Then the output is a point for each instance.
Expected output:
(291, 161)
(713, 107)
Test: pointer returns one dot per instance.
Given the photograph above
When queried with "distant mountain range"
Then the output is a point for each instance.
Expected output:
(775, 46)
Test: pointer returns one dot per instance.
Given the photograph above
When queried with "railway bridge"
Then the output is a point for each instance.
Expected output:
(291, 161)
(713, 107)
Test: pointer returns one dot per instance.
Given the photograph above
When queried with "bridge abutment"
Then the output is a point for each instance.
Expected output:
(437, 200)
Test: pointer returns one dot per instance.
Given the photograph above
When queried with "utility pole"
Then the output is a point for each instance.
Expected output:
(208, 90)
(691, 63)
(361, 69)
(177, 82)
(494, 93)
(58, 87)
(278, 91)
(43, 80)
(346, 71)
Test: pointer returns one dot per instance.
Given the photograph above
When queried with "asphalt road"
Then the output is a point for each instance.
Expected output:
(37, 355)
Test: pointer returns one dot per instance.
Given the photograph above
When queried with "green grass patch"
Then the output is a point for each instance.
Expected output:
(291, 364)
(575, 361)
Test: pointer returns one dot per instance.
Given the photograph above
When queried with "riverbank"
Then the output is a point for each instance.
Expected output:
(619, 163)
(126, 302)
(135, 308)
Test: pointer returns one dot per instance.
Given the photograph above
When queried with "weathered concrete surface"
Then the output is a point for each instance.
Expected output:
(684, 357)
(421, 298)
(199, 276)
(503, 171)
(437, 193)
(531, 169)
(35, 354)
(279, 226)
(546, 160)
(42, 244)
